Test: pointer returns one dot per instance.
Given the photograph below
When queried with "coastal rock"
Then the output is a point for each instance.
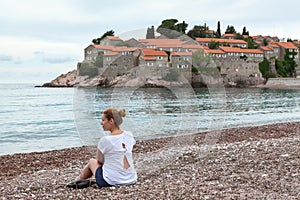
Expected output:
(124, 81)
(71, 79)
(85, 81)
(64, 80)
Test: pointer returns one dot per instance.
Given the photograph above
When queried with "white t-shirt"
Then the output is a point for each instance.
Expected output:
(116, 150)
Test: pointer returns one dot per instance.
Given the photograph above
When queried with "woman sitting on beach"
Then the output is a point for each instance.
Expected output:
(113, 164)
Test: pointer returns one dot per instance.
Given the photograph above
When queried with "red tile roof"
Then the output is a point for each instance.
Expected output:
(273, 44)
(124, 48)
(160, 41)
(240, 50)
(193, 46)
(103, 47)
(148, 58)
(207, 40)
(254, 37)
(111, 54)
(297, 42)
(151, 52)
(265, 48)
(113, 38)
(214, 51)
(229, 35)
(113, 48)
(209, 31)
(287, 45)
(181, 53)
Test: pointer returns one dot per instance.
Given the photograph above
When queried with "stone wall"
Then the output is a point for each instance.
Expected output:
(240, 72)
(283, 81)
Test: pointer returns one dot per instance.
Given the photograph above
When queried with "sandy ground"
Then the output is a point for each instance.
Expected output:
(260, 162)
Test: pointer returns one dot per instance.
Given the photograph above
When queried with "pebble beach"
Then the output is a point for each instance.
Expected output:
(260, 162)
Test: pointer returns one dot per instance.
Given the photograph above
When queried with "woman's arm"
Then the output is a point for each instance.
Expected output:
(100, 156)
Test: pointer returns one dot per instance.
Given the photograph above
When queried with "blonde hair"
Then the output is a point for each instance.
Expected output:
(112, 113)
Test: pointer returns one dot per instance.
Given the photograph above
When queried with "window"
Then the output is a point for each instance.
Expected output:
(89, 52)
(108, 58)
(150, 64)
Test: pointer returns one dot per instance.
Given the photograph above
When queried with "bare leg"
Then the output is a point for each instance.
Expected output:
(90, 169)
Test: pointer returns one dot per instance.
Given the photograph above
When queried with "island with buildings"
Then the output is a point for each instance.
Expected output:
(165, 60)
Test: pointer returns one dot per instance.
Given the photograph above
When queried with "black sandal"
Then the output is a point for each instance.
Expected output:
(80, 184)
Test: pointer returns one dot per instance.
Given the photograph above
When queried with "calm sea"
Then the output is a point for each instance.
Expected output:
(40, 119)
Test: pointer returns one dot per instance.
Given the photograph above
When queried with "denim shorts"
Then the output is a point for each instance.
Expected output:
(99, 178)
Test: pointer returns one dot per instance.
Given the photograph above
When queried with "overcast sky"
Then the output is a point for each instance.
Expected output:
(41, 39)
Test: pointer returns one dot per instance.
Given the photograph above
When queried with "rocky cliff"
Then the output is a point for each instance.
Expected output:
(71, 79)
(64, 80)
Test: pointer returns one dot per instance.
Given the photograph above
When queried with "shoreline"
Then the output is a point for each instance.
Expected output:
(243, 163)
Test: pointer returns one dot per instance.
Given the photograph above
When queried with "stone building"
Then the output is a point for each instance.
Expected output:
(110, 41)
(182, 62)
(261, 39)
(287, 46)
(157, 57)
(92, 51)
(229, 42)
(237, 54)
(119, 61)
(237, 66)
(152, 57)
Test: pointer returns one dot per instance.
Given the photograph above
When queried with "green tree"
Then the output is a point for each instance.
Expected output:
(168, 24)
(290, 63)
(280, 68)
(107, 33)
(173, 24)
(251, 43)
(214, 45)
(181, 27)
(218, 32)
(245, 32)
(264, 68)
(239, 36)
(198, 31)
(230, 29)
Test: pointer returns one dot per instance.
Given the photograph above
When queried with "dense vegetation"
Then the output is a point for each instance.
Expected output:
(284, 68)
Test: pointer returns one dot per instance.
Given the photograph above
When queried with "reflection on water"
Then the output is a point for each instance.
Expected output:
(159, 112)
